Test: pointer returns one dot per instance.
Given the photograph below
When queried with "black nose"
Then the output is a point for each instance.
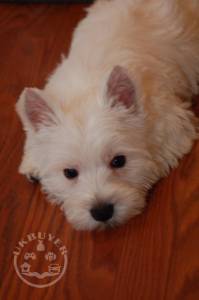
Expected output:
(102, 212)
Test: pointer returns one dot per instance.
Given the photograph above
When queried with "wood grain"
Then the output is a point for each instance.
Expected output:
(153, 257)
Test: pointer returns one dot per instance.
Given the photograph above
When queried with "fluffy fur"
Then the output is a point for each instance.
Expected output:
(125, 88)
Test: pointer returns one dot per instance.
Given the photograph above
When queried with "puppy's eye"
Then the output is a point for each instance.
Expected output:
(118, 161)
(70, 173)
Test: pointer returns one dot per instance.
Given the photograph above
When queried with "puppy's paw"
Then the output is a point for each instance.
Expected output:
(29, 169)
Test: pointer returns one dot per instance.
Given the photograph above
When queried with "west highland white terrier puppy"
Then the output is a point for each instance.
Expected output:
(115, 115)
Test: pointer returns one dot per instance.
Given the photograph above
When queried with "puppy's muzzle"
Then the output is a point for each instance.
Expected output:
(102, 212)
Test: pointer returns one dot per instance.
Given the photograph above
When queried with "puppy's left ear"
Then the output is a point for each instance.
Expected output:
(34, 110)
(120, 88)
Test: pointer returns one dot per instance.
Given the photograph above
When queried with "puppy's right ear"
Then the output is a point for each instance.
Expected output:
(34, 111)
(120, 89)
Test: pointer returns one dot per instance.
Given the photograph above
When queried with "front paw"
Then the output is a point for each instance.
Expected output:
(29, 169)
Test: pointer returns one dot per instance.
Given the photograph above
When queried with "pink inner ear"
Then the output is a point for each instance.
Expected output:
(37, 110)
(120, 87)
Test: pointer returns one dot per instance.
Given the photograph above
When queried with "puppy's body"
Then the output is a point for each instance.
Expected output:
(124, 89)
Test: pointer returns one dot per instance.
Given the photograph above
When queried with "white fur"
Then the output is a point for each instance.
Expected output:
(156, 41)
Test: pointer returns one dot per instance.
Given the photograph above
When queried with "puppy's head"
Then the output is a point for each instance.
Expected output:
(92, 154)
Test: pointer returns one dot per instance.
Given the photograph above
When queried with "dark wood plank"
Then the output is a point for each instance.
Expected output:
(153, 257)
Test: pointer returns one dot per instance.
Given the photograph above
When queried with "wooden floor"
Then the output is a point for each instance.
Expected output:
(153, 257)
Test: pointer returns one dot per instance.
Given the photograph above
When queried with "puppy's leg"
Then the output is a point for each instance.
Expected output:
(29, 166)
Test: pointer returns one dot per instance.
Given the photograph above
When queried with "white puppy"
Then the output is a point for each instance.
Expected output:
(114, 117)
